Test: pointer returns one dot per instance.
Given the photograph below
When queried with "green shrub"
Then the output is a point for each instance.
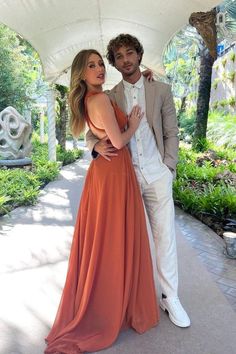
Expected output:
(215, 83)
(224, 76)
(223, 103)
(200, 144)
(221, 129)
(21, 187)
(17, 187)
(199, 190)
(47, 172)
(232, 101)
(3, 204)
(186, 124)
(232, 56)
(67, 156)
(231, 76)
(224, 61)
(215, 105)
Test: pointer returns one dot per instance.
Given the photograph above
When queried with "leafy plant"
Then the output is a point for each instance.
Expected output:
(232, 101)
(3, 203)
(201, 144)
(67, 156)
(198, 188)
(223, 103)
(215, 83)
(21, 187)
(19, 71)
(221, 129)
(224, 76)
(231, 76)
(232, 56)
(17, 187)
(224, 61)
(215, 104)
(186, 124)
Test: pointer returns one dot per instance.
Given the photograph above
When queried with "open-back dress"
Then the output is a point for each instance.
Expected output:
(109, 284)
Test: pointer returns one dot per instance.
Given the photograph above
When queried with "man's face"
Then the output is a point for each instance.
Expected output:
(126, 60)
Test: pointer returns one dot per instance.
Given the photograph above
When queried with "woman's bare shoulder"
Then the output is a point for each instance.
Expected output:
(100, 98)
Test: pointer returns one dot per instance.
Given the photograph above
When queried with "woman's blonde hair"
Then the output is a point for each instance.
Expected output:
(78, 90)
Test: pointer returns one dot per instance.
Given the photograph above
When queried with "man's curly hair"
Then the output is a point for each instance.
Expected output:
(125, 40)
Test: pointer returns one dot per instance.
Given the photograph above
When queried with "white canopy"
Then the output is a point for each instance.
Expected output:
(58, 29)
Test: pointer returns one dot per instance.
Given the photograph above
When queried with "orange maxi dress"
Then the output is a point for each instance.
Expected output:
(109, 284)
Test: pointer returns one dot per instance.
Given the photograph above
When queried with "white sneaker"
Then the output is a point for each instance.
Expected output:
(176, 312)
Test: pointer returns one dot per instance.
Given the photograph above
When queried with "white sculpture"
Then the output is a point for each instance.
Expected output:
(15, 134)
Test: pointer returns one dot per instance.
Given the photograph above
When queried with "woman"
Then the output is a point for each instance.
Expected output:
(109, 284)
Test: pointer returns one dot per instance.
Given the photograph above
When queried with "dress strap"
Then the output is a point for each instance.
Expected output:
(89, 94)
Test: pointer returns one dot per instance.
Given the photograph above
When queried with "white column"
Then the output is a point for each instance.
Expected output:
(75, 143)
(27, 115)
(42, 127)
(51, 125)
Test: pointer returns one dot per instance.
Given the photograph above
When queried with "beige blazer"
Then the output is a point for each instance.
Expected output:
(161, 116)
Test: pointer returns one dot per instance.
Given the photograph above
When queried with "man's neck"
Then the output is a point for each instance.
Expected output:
(133, 78)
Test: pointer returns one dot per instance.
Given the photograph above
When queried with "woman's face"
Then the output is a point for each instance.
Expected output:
(94, 74)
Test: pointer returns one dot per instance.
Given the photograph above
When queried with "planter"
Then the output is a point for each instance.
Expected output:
(230, 241)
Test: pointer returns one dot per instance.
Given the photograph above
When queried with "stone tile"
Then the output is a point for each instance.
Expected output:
(232, 292)
(210, 251)
(231, 262)
(234, 306)
(207, 247)
(227, 282)
(215, 276)
(231, 299)
(230, 274)
(218, 271)
(223, 287)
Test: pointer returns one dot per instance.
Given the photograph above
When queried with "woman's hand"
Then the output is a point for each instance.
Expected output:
(148, 73)
(135, 117)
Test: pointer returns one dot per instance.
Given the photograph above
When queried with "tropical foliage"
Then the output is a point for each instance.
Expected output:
(21, 187)
(206, 184)
(183, 66)
(19, 71)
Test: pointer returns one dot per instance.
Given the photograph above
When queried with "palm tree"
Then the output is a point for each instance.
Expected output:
(205, 23)
(62, 118)
(181, 63)
(226, 28)
(186, 39)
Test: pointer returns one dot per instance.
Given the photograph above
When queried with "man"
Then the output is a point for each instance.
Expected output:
(154, 150)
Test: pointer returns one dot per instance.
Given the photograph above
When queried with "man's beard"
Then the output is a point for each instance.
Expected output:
(130, 73)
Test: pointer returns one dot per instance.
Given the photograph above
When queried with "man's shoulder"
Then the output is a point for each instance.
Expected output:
(115, 88)
(160, 85)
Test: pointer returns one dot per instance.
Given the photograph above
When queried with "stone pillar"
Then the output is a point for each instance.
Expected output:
(42, 127)
(51, 124)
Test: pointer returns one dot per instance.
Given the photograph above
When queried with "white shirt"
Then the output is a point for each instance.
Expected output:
(145, 154)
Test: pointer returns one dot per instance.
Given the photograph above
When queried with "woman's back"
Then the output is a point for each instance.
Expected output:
(94, 109)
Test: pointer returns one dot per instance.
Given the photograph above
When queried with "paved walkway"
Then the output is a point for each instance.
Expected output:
(210, 249)
(34, 247)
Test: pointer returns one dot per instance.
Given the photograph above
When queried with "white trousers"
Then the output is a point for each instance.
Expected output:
(159, 205)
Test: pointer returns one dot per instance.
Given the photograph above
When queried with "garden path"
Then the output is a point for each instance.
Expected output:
(34, 247)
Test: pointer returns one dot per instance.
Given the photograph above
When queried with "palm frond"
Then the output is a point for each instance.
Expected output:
(230, 25)
(230, 7)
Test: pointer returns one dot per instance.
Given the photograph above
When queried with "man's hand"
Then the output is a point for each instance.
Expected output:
(105, 149)
(148, 73)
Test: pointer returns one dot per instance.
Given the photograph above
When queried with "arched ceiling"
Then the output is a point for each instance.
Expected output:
(58, 29)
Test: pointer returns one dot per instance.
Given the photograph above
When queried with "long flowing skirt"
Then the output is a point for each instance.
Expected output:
(109, 284)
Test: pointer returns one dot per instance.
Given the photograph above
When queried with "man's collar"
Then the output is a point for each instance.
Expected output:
(137, 84)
